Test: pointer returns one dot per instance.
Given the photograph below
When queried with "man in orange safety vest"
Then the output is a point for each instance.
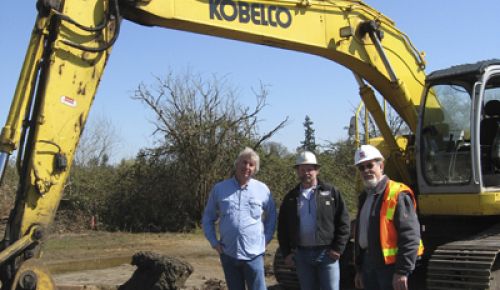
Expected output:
(387, 228)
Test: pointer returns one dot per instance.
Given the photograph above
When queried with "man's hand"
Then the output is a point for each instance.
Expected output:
(400, 282)
(219, 249)
(358, 281)
(289, 262)
(333, 255)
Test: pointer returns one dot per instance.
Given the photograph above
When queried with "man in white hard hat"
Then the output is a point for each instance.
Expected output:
(387, 229)
(246, 215)
(313, 227)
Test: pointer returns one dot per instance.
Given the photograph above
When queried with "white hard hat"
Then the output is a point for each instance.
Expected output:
(306, 157)
(366, 153)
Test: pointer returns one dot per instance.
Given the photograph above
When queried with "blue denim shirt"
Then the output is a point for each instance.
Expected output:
(247, 218)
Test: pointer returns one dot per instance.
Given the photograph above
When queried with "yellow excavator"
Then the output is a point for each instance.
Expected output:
(451, 158)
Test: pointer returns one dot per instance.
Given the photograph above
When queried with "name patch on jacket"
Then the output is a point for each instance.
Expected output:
(324, 193)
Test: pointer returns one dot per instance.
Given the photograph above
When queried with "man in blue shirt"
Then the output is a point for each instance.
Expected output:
(246, 215)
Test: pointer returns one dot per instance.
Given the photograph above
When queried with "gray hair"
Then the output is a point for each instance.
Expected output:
(249, 152)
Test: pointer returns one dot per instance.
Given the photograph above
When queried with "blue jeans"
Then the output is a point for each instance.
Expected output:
(316, 270)
(237, 272)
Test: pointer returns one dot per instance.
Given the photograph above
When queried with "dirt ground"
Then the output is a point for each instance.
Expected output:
(87, 267)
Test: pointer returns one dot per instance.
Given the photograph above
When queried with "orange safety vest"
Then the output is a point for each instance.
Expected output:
(388, 233)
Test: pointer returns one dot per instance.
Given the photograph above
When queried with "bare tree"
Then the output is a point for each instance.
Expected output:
(96, 143)
(201, 128)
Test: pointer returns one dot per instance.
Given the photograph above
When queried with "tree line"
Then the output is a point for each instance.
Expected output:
(199, 129)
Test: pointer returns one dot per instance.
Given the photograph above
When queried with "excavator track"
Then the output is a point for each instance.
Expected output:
(467, 264)
(286, 276)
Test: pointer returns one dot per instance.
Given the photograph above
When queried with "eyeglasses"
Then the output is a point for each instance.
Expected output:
(367, 166)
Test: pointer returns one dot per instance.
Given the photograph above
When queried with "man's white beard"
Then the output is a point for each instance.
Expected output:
(370, 183)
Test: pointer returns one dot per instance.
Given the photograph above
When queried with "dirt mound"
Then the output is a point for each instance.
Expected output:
(159, 272)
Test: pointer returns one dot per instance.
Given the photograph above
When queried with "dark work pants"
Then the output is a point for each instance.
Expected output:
(377, 277)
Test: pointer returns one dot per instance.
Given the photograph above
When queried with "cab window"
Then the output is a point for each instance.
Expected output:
(446, 150)
(489, 133)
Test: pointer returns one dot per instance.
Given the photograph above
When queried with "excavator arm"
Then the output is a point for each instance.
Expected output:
(67, 53)
(72, 40)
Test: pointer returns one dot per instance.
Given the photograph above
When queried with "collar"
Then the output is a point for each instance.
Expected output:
(237, 183)
(307, 192)
(295, 192)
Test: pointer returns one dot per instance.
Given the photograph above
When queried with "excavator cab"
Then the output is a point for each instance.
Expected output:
(458, 176)
(459, 133)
